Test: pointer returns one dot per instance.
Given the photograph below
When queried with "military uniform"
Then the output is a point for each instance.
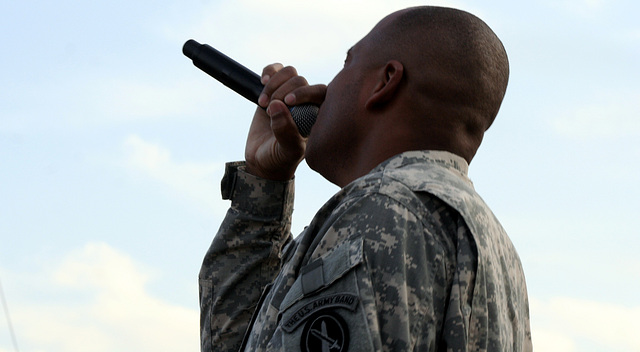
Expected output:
(406, 258)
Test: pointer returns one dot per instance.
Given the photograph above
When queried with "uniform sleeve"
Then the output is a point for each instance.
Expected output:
(403, 281)
(408, 258)
(244, 256)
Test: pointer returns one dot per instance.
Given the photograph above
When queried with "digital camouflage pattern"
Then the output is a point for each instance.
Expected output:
(406, 258)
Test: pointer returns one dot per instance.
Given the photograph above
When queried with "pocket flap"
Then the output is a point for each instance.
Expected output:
(323, 271)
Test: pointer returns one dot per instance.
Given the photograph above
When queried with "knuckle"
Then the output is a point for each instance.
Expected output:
(276, 67)
(300, 80)
(272, 68)
(290, 70)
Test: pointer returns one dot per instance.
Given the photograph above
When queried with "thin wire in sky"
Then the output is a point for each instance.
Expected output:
(6, 312)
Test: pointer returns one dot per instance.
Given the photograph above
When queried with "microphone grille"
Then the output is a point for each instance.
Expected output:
(304, 116)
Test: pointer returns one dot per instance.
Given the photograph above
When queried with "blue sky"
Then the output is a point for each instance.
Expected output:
(112, 145)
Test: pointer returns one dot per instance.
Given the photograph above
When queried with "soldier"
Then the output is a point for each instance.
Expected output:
(406, 256)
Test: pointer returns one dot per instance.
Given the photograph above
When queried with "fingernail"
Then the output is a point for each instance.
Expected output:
(263, 100)
(265, 79)
(290, 99)
(274, 110)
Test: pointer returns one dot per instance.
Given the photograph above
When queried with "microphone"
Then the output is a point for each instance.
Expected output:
(242, 80)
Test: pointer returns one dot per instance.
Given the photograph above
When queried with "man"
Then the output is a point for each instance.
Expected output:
(406, 257)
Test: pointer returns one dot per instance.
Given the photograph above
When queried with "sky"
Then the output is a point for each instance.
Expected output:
(112, 147)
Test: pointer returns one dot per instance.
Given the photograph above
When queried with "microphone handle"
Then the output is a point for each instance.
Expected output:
(242, 80)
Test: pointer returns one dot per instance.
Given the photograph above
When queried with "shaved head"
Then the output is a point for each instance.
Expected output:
(452, 56)
(424, 78)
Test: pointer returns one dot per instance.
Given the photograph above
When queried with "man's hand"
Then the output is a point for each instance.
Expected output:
(274, 146)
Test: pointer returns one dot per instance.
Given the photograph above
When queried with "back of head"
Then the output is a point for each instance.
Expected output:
(455, 66)
(424, 78)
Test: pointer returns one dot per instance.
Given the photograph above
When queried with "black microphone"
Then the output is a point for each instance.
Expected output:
(242, 80)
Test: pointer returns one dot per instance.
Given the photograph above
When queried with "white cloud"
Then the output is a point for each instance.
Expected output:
(552, 341)
(95, 300)
(196, 181)
(607, 117)
(579, 324)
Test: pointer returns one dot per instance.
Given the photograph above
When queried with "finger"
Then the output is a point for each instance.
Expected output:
(285, 130)
(275, 81)
(269, 71)
(288, 86)
(314, 94)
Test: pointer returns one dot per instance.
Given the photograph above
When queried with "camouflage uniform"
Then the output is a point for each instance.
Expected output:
(406, 258)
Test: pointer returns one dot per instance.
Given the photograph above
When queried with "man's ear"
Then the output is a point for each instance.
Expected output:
(388, 83)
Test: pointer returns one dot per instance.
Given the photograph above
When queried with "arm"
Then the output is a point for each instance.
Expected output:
(244, 256)
(407, 260)
(423, 280)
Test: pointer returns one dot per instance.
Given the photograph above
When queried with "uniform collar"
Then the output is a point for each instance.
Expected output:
(442, 158)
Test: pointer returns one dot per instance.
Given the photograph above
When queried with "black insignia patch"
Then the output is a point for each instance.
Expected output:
(325, 331)
(337, 300)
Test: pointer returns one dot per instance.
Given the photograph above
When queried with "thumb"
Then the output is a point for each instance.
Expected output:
(284, 128)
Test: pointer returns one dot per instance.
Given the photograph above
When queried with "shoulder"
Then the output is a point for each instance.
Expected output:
(410, 193)
(385, 211)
